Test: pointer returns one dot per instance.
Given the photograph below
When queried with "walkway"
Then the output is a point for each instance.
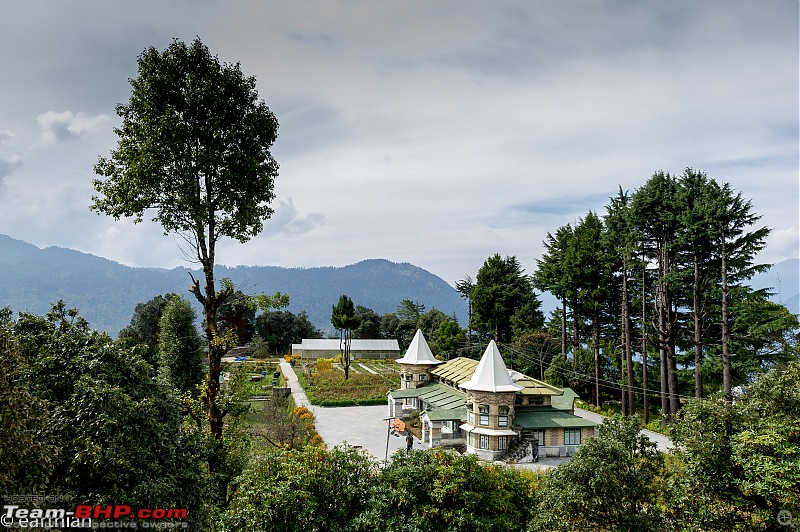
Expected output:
(299, 396)
(361, 426)
(662, 442)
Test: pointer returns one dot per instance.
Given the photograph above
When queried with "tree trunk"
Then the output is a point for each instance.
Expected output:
(626, 342)
(596, 347)
(662, 351)
(672, 366)
(211, 302)
(645, 395)
(698, 331)
(564, 328)
(726, 354)
(576, 339)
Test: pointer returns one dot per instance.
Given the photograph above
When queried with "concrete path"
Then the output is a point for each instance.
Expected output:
(361, 426)
(660, 440)
(368, 369)
(299, 396)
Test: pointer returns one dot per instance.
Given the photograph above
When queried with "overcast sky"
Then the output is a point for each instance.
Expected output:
(435, 133)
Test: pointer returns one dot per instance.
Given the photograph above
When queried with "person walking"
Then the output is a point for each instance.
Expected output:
(409, 440)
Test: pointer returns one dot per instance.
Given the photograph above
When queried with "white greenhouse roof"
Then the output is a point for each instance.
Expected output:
(491, 375)
(355, 345)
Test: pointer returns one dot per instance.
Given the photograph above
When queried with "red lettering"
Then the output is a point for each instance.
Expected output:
(176, 513)
(144, 513)
(104, 512)
(83, 511)
(121, 511)
(159, 513)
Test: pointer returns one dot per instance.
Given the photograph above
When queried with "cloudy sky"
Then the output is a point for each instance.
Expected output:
(436, 133)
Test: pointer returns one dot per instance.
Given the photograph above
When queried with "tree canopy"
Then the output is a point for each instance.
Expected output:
(503, 296)
(194, 149)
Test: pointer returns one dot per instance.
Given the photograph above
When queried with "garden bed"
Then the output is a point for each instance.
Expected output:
(325, 385)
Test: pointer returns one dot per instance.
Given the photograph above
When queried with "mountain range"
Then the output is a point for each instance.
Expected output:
(106, 292)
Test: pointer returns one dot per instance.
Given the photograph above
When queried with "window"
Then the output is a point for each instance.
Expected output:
(502, 419)
(537, 401)
(484, 417)
(572, 436)
(470, 414)
(539, 436)
(502, 443)
(408, 376)
(423, 377)
(484, 442)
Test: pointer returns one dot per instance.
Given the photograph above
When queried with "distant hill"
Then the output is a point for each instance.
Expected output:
(106, 292)
(783, 280)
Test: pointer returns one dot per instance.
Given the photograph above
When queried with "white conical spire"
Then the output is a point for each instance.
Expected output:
(491, 375)
(418, 352)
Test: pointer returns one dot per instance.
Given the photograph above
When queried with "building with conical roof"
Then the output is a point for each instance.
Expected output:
(484, 408)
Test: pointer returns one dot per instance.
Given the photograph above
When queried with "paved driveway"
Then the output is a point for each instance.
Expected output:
(662, 442)
(362, 426)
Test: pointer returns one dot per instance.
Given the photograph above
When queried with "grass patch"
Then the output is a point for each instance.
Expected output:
(327, 386)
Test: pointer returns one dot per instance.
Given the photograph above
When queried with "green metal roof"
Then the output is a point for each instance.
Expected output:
(540, 418)
(435, 394)
(447, 414)
(564, 401)
(408, 392)
(460, 370)
(441, 396)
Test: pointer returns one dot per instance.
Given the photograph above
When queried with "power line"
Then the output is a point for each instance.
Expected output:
(587, 378)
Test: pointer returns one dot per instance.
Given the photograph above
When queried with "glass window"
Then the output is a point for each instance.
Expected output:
(484, 443)
(502, 443)
(471, 417)
(572, 436)
(484, 418)
(502, 419)
(422, 376)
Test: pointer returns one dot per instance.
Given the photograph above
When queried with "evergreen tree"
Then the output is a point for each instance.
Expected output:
(501, 291)
(180, 346)
(343, 318)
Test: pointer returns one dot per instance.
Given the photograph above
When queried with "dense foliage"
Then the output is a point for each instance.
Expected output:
(85, 417)
(97, 426)
(657, 289)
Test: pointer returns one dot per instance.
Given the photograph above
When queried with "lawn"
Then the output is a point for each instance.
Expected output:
(325, 385)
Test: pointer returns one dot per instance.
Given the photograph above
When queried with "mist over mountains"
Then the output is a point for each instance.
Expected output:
(106, 292)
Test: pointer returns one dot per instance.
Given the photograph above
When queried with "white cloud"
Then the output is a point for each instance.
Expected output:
(8, 163)
(67, 126)
(286, 220)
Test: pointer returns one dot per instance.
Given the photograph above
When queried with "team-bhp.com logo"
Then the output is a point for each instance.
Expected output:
(89, 516)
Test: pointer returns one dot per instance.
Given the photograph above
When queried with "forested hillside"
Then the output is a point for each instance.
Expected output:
(107, 292)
